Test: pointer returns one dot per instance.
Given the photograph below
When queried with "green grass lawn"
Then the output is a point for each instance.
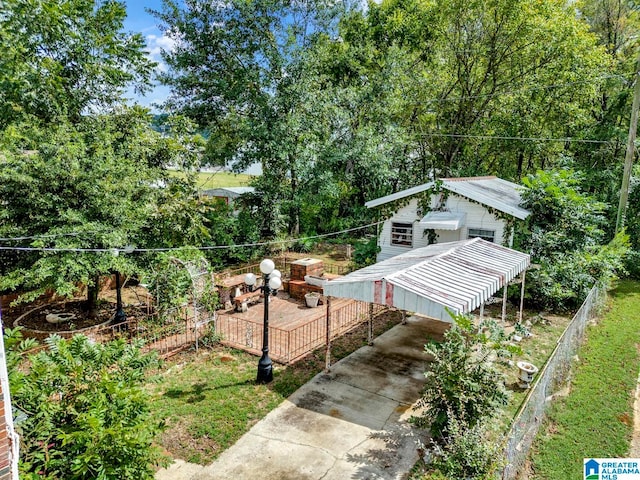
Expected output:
(535, 350)
(596, 418)
(210, 399)
(219, 179)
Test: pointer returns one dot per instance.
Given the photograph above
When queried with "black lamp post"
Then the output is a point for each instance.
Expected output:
(269, 287)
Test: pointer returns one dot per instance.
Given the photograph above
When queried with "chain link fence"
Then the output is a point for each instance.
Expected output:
(551, 378)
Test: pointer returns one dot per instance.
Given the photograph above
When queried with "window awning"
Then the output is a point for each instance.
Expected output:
(443, 220)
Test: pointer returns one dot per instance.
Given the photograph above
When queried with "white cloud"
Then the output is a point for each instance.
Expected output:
(155, 45)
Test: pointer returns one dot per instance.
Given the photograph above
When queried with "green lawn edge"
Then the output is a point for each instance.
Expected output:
(596, 418)
(208, 180)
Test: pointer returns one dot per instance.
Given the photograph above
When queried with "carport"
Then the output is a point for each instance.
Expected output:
(457, 276)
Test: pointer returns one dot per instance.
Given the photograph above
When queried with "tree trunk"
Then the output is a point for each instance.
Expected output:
(520, 162)
(294, 228)
(92, 298)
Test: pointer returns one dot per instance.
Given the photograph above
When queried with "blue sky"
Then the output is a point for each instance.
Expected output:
(138, 20)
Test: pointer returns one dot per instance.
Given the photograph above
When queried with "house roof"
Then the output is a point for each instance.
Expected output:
(228, 191)
(459, 276)
(490, 191)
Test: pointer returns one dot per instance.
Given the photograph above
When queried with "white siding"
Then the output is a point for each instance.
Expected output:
(478, 217)
(406, 214)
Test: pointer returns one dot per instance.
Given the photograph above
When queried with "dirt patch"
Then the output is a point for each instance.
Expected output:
(180, 443)
(135, 301)
(37, 319)
(552, 429)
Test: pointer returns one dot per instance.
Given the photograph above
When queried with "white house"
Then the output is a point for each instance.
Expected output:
(449, 210)
(227, 194)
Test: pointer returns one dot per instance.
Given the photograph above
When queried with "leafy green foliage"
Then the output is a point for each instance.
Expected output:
(562, 219)
(228, 226)
(100, 184)
(463, 381)
(87, 416)
(15, 348)
(476, 68)
(63, 59)
(632, 225)
(179, 277)
(365, 253)
(566, 238)
(341, 104)
(467, 452)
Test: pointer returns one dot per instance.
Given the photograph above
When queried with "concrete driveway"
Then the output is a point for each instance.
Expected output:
(349, 423)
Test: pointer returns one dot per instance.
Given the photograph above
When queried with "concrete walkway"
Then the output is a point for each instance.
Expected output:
(349, 423)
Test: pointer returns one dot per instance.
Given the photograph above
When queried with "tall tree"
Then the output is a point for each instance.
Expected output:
(99, 185)
(64, 59)
(616, 23)
(234, 69)
(503, 68)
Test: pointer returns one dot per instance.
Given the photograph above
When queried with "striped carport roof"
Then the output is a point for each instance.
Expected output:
(459, 276)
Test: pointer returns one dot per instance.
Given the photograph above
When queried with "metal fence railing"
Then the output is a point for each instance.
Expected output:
(167, 337)
(287, 345)
(553, 375)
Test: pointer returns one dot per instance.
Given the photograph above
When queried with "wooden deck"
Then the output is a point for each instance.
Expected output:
(294, 329)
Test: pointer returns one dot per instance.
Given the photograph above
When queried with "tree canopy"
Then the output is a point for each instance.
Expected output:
(100, 185)
(66, 59)
(354, 103)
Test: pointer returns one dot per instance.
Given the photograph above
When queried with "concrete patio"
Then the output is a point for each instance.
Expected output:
(350, 422)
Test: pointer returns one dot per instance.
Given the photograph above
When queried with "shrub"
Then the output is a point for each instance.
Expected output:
(85, 413)
(210, 338)
(304, 245)
(467, 452)
(632, 264)
(365, 252)
(566, 238)
(463, 381)
(563, 284)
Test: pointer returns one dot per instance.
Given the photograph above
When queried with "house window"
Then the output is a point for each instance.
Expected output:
(488, 235)
(402, 234)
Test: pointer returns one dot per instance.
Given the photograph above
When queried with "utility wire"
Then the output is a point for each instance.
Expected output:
(116, 251)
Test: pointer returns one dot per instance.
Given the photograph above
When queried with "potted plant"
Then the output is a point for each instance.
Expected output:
(312, 299)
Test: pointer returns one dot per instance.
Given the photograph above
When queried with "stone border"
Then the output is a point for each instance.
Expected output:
(42, 334)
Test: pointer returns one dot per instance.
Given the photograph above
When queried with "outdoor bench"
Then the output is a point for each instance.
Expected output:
(241, 301)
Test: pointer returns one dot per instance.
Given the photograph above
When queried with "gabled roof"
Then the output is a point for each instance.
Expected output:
(228, 191)
(459, 276)
(490, 191)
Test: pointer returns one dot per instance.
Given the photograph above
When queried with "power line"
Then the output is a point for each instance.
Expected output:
(116, 251)
(504, 137)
